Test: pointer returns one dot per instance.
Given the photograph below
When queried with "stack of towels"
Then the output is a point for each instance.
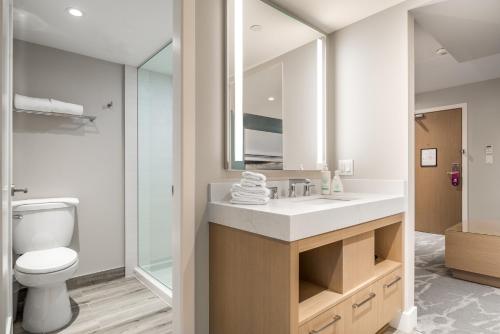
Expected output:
(251, 189)
(46, 105)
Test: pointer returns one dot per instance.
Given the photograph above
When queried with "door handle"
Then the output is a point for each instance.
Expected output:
(14, 190)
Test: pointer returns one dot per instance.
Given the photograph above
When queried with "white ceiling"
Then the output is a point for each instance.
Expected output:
(120, 31)
(470, 29)
(331, 15)
(474, 50)
(279, 33)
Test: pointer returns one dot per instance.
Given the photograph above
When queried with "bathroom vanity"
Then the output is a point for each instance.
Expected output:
(318, 264)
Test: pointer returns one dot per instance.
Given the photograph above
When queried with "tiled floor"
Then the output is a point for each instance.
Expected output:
(447, 305)
(122, 306)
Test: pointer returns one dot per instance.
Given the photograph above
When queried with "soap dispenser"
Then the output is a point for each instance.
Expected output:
(337, 185)
(325, 180)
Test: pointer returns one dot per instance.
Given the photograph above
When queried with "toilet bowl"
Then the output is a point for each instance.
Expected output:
(42, 230)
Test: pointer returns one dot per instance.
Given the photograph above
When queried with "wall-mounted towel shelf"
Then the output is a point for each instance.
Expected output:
(90, 118)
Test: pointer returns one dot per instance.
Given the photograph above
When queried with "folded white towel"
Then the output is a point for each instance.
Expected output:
(32, 103)
(249, 201)
(66, 108)
(242, 196)
(252, 183)
(254, 176)
(238, 188)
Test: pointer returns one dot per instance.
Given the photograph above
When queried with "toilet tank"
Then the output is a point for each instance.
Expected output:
(39, 224)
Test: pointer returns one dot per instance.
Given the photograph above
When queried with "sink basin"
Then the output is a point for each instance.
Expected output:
(325, 199)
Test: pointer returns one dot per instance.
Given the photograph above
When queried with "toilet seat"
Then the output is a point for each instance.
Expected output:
(46, 261)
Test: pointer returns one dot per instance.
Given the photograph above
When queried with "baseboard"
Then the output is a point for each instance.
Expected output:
(8, 325)
(406, 322)
(95, 278)
(476, 278)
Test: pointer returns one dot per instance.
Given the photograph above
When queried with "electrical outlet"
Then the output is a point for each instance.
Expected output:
(346, 167)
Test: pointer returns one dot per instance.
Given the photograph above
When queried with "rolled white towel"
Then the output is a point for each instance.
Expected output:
(66, 108)
(254, 176)
(252, 183)
(238, 188)
(32, 103)
(249, 201)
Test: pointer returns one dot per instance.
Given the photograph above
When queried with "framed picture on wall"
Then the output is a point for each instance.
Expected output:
(428, 157)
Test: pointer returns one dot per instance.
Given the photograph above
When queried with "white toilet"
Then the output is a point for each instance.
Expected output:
(42, 231)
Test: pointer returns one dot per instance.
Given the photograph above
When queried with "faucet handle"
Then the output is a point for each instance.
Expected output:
(291, 190)
(307, 188)
(274, 192)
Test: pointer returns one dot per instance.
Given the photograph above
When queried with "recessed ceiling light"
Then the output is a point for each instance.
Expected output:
(256, 27)
(271, 98)
(74, 12)
(441, 52)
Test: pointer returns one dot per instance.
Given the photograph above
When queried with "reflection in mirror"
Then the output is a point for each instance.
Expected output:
(275, 89)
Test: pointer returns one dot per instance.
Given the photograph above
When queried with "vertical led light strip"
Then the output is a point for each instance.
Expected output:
(238, 80)
(320, 101)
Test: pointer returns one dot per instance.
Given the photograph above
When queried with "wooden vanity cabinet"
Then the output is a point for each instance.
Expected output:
(346, 281)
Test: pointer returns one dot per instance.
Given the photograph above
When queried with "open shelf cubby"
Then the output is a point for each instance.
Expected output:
(389, 244)
(334, 272)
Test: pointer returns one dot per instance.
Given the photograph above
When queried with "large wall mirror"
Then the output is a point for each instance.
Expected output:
(275, 88)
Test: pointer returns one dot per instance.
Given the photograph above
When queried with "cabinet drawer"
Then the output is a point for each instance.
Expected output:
(361, 312)
(390, 289)
(329, 322)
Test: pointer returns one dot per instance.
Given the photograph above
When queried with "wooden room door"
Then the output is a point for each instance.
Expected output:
(438, 203)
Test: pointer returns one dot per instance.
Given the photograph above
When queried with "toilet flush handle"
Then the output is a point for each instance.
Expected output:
(14, 190)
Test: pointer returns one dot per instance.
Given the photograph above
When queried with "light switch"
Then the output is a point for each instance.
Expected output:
(346, 167)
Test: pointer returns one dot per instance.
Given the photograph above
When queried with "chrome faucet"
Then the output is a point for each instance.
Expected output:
(273, 192)
(292, 186)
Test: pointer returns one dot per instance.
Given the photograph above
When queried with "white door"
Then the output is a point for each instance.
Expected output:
(5, 167)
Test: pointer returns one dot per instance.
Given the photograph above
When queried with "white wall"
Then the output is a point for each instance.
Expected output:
(57, 157)
(369, 83)
(370, 103)
(299, 105)
(483, 117)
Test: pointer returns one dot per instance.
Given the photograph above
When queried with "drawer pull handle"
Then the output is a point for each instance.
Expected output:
(335, 319)
(397, 279)
(370, 297)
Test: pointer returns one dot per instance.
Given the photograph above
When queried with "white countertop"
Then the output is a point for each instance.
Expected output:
(292, 219)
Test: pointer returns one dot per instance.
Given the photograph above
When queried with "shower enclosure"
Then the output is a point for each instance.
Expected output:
(154, 167)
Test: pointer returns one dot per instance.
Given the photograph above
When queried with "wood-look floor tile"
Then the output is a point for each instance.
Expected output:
(156, 322)
(120, 306)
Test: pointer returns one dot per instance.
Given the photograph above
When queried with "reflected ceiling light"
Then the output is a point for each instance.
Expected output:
(441, 52)
(271, 98)
(74, 12)
(256, 27)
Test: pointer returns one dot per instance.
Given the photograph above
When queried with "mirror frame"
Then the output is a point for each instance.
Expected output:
(322, 43)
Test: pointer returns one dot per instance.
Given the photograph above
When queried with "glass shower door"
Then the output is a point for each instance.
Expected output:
(155, 153)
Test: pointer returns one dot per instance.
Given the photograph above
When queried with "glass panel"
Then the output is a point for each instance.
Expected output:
(155, 152)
